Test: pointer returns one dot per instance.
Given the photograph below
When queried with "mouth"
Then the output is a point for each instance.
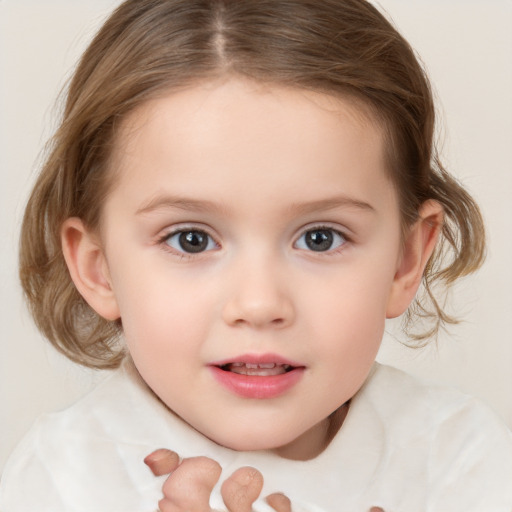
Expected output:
(257, 369)
(258, 376)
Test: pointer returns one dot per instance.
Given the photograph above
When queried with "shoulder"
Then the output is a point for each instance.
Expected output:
(399, 398)
(67, 454)
(457, 444)
(118, 407)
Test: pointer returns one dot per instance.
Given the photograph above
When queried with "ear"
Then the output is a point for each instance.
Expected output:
(88, 267)
(419, 243)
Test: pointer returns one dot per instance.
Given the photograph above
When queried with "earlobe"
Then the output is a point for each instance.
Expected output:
(88, 267)
(419, 244)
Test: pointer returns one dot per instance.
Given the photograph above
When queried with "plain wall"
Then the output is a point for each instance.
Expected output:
(466, 46)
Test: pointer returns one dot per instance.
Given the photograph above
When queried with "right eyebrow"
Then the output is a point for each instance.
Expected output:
(166, 202)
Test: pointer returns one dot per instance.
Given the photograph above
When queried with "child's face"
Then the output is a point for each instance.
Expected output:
(252, 225)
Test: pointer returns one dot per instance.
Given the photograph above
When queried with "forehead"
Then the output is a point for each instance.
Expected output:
(249, 135)
(211, 103)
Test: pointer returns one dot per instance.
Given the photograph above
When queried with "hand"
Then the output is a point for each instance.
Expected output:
(191, 481)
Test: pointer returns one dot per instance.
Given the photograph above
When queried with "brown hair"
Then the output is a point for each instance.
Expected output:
(149, 47)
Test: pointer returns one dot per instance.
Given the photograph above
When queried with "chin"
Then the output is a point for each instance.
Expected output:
(244, 441)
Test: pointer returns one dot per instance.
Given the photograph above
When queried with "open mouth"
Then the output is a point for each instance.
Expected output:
(262, 376)
(257, 369)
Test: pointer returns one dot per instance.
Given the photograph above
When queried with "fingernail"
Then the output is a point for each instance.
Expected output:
(279, 501)
(159, 455)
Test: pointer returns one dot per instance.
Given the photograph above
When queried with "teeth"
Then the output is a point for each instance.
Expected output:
(260, 369)
(253, 366)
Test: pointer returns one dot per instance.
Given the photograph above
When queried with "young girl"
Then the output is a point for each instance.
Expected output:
(238, 197)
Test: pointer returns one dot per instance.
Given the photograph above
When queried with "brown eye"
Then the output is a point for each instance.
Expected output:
(320, 240)
(190, 241)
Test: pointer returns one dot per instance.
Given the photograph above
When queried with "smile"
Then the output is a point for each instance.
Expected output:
(260, 377)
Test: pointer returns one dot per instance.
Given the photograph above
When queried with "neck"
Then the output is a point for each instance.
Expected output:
(315, 440)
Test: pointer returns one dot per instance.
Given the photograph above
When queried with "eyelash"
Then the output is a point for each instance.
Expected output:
(164, 241)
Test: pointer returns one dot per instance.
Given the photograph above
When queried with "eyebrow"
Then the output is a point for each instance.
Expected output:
(164, 202)
(331, 203)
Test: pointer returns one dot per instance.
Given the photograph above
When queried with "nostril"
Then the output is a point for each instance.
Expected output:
(258, 310)
(276, 321)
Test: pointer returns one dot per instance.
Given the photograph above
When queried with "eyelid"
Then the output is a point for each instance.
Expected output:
(328, 226)
(186, 226)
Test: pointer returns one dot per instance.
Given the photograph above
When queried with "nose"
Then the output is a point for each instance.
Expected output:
(259, 298)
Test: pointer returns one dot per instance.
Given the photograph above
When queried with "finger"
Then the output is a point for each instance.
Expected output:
(162, 462)
(189, 487)
(279, 502)
(376, 509)
(242, 489)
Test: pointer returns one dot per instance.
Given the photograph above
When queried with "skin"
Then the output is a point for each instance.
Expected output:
(257, 170)
(239, 491)
(193, 480)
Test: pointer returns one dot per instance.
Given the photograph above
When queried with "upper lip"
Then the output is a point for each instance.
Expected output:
(258, 359)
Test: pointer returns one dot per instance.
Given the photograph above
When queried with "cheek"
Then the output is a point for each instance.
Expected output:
(354, 297)
(165, 336)
(348, 315)
(159, 311)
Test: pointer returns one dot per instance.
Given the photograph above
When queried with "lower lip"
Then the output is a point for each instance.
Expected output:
(253, 386)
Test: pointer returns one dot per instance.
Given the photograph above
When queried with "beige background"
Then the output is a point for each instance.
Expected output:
(466, 46)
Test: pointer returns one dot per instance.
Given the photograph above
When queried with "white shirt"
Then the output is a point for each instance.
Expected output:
(404, 446)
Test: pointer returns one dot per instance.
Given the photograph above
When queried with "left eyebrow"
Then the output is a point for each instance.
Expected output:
(330, 204)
